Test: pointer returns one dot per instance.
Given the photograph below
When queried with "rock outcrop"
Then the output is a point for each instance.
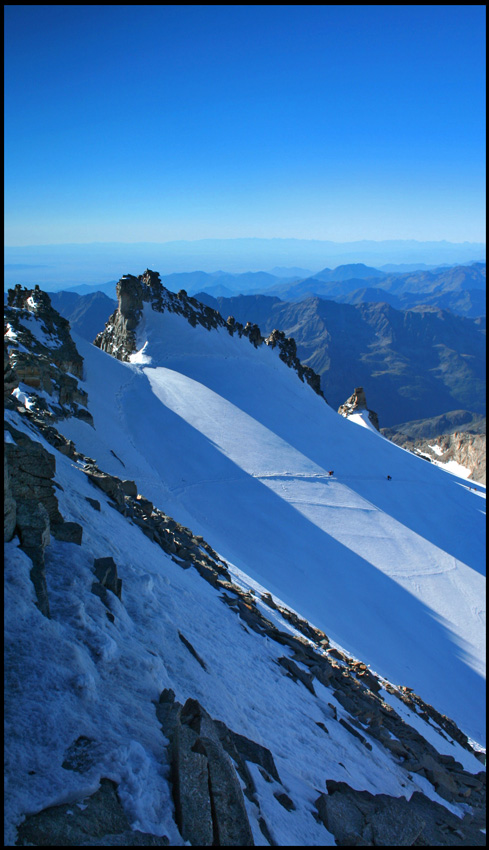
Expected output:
(358, 818)
(466, 449)
(357, 403)
(30, 505)
(206, 760)
(119, 336)
(42, 365)
(97, 820)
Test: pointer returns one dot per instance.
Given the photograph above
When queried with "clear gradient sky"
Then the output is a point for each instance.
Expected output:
(156, 123)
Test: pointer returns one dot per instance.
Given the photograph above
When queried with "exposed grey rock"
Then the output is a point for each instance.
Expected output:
(102, 822)
(9, 506)
(209, 802)
(105, 571)
(256, 753)
(360, 818)
(469, 450)
(231, 826)
(284, 801)
(355, 734)
(38, 303)
(192, 650)
(93, 502)
(296, 673)
(193, 811)
(358, 402)
(108, 483)
(47, 362)
(81, 755)
(288, 353)
(129, 488)
(68, 532)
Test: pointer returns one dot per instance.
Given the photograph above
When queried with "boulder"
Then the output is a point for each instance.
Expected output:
(68, 532)
(105, 570)
(193, 811)
(360, 818)
(209, 805)
(101, 821)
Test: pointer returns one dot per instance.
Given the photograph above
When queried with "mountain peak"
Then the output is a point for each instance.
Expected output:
(119, 337)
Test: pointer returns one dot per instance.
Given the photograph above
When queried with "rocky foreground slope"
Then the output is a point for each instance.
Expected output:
(155, 694)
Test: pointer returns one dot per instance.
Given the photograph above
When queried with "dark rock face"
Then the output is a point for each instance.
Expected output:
(40, 353)
(288, 353)
(9, 505)
(209, 804)
(102, 822)
(31, 507)
(358, 818)
(31, 504)
(119, 337)
(105, 571)
(192, 650)
(38, 303)
(358, 402)
(68, 532)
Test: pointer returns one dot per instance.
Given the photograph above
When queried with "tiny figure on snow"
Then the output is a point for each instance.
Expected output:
(389, 478)
(331, 472)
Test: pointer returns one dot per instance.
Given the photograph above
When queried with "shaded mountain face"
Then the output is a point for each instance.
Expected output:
(208, 657)
(413, 364)
(459, 288)
(216, 282)
(357, 271)
(447, 423)
(469, 303)
(87, 314)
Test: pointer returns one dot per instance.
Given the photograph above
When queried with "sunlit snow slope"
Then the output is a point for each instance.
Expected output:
(226, 438)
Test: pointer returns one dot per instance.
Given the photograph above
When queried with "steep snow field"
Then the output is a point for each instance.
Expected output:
(78, 674)
(226, 439)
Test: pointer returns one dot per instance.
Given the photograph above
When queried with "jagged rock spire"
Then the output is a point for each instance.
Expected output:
(355, 404)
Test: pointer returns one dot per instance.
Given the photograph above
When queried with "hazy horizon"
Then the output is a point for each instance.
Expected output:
(53, 266)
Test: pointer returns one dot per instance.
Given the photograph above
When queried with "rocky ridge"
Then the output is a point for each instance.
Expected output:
(119, 336)
(209, 761)
(40, 356)
(357, 403)
(466, 449)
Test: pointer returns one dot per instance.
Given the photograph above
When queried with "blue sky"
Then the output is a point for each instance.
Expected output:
(155, 123)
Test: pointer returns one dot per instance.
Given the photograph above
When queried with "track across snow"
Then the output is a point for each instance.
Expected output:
(228, 440)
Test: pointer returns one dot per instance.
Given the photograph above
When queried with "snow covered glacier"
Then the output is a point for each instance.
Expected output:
(228, 440)
(222, 436)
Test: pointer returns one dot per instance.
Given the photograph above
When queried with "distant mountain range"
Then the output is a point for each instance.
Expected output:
(457, 288)
(413, 364)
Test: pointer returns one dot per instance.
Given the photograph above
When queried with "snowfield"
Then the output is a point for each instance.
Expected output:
(226, 439)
